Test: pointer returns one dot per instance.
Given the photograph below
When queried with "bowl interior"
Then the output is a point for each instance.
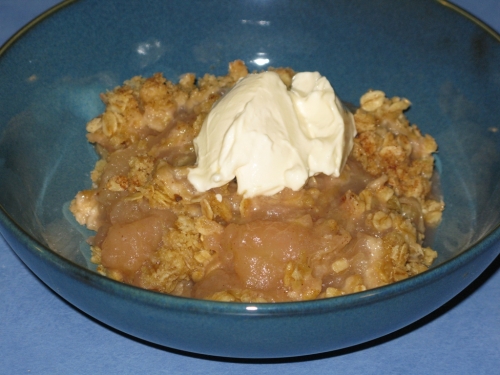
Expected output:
(52, 76)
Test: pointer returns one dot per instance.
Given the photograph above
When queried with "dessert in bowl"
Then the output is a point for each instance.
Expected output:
(257, 187)
(45, 158)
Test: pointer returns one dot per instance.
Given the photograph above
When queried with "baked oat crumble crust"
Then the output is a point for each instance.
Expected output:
(361, 230)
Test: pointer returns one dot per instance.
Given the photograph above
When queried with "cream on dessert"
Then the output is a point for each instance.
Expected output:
(270, 138)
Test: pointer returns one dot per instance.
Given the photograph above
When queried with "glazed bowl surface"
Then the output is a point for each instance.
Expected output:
(53, 71)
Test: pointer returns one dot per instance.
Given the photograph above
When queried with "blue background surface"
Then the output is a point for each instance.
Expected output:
(41, 334)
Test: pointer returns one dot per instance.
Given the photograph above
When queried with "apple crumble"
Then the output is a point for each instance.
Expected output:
(334, 236)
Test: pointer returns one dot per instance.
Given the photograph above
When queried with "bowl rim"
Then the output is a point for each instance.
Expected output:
(64, 3)
(35, 21)
(144, 296)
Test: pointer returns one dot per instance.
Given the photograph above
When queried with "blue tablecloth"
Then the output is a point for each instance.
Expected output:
(42, 334)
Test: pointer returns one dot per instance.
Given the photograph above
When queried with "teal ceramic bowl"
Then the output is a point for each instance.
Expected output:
(53, 70)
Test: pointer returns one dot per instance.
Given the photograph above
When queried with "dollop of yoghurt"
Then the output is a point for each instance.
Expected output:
(270, 138)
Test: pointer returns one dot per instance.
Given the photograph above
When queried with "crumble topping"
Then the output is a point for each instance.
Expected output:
(336, 235)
